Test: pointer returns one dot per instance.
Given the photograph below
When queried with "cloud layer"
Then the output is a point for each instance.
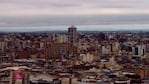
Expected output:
(68, 7)
(68, 12)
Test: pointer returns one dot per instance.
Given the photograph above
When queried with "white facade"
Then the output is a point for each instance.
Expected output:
(140, 50)
(105, 50)
(62, 38)
(87, 57)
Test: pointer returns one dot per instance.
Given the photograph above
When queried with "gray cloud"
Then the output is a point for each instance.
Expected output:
(65, 4)
(68, 12)
(74, 20)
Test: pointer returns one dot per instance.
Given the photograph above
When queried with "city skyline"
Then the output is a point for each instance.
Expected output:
(36, 14)
(100, 28)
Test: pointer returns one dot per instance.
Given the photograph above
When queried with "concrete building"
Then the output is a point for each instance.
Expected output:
(59, 50)
(62, 38)
(87, 58)
(138, 50)
(22, 55)
(69, 81)
(19, 77)
(2, 47)
(105, 50)
(72, 34)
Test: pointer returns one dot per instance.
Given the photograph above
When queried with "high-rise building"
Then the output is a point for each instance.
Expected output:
(72, 34)
(2, 46)
(138, 50)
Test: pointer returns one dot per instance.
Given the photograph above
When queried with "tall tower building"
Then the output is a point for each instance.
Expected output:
(2, 46)
(72, 34)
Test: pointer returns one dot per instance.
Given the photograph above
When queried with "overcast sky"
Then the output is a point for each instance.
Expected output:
(36, 13)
